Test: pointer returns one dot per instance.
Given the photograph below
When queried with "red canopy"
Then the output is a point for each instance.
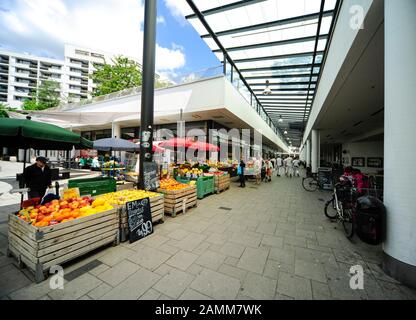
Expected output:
(204, 146)
(157, 149)
(188, 143)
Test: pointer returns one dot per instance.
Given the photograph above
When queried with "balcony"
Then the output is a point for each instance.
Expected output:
(4, 80)
(4, 70)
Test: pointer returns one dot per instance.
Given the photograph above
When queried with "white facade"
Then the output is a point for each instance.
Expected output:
(20, 74)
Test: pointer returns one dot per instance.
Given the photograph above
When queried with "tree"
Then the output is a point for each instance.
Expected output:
(122, 74)
(3, 110)
(46, 96)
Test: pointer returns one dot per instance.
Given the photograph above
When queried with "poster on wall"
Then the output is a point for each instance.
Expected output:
(358, 162)
(375, 162)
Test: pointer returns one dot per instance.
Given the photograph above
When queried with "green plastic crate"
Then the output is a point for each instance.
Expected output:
(94, 186)
(205, 186)
(182, 180)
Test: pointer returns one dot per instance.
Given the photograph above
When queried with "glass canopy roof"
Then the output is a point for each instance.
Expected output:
(280, 41)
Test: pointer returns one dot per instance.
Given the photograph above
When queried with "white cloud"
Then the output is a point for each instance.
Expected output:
(161, 20)
(44, 26)
(179, 9)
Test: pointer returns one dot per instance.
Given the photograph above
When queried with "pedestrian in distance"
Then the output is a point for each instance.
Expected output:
(240, 172)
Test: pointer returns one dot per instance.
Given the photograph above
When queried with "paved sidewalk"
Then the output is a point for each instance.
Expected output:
(266, 242)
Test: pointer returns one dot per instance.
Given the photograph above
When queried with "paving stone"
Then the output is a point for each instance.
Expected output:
(294, 286)
(211, 259)
(133, 287)
(272, 269)
(118, 273)
(169, 249)
(216, 285)
(310, 270)
(5, 261)
(99, 269)
(149, 258)
(282, 297)
(320, 291)
(164, 297)
(182, 260)
(85, 298)
(204, 246)
(295, 241)
(32, 292)
(305, 234)
(174, 283)
(116, 255)
(190, 242)
(75, 289)
(253, 260)
(231, 261)
(258, 287)
(178, 234)
(150, 294)
(191, 294)
(282, 255)
(233, 272)
(194, 269)
(12, 280)
(216, 238)
(272, 241)
(99, 291)
(155, 240)
(233, 250)
(267, 228)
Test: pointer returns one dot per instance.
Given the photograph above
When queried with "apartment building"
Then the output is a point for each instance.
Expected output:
(21, 74)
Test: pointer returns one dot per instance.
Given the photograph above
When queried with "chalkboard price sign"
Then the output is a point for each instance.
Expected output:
(151, 178)
(139, 219)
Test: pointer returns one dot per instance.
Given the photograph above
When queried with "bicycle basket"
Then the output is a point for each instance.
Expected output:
(343, 192)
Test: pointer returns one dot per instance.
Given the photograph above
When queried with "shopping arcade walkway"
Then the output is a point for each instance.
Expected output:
(267, 242)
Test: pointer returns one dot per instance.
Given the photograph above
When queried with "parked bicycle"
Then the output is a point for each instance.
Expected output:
(342, 205)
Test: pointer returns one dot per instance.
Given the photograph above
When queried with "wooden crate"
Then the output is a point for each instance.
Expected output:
(157, 205)
(125, 186)
(222, 183)
(177, 201)
(41, 248)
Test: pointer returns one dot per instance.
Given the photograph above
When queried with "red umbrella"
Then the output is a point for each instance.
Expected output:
(204, 146)
(176, 142)
(157, 149)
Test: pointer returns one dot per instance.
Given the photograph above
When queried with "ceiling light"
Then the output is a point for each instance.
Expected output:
(267, 91)
(285, 132)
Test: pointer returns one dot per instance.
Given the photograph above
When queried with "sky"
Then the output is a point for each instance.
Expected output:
(42, 27)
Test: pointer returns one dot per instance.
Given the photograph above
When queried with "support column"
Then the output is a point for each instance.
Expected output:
(116, 130)
(315, 151)
(308, 152)
(399, 259)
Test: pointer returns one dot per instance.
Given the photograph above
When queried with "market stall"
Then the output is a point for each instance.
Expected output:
(42, 236)
(178, 197)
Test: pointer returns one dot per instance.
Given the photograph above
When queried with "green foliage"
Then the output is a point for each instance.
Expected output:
(121, 75)
(3, 110)
(46, 96)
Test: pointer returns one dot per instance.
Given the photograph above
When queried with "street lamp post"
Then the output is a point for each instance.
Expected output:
(147, 108)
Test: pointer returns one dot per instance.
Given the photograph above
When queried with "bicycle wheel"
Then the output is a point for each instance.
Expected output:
(347, 223)
(310, 184)
(331, 210)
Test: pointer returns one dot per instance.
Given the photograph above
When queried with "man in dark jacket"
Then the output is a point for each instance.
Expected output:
(38, 178)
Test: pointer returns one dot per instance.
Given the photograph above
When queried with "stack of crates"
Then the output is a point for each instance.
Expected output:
(205, 186)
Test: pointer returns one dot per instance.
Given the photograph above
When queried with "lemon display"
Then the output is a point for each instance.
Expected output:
(121, 197)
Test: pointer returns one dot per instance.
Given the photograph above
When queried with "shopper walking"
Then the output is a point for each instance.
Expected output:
(296, 165)
(279, 165)
(257, 169)
(289, 166)
(240, 172)
(269, 170)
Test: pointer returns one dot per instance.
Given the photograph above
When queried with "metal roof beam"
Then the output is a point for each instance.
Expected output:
(286, 67)
(279, 84)
(282, 56)
(270, 24)
(227, 7)
(274, 43)
(283, 76)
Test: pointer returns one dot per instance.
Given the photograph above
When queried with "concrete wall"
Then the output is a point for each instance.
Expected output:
(364, 149)
(337, 66)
